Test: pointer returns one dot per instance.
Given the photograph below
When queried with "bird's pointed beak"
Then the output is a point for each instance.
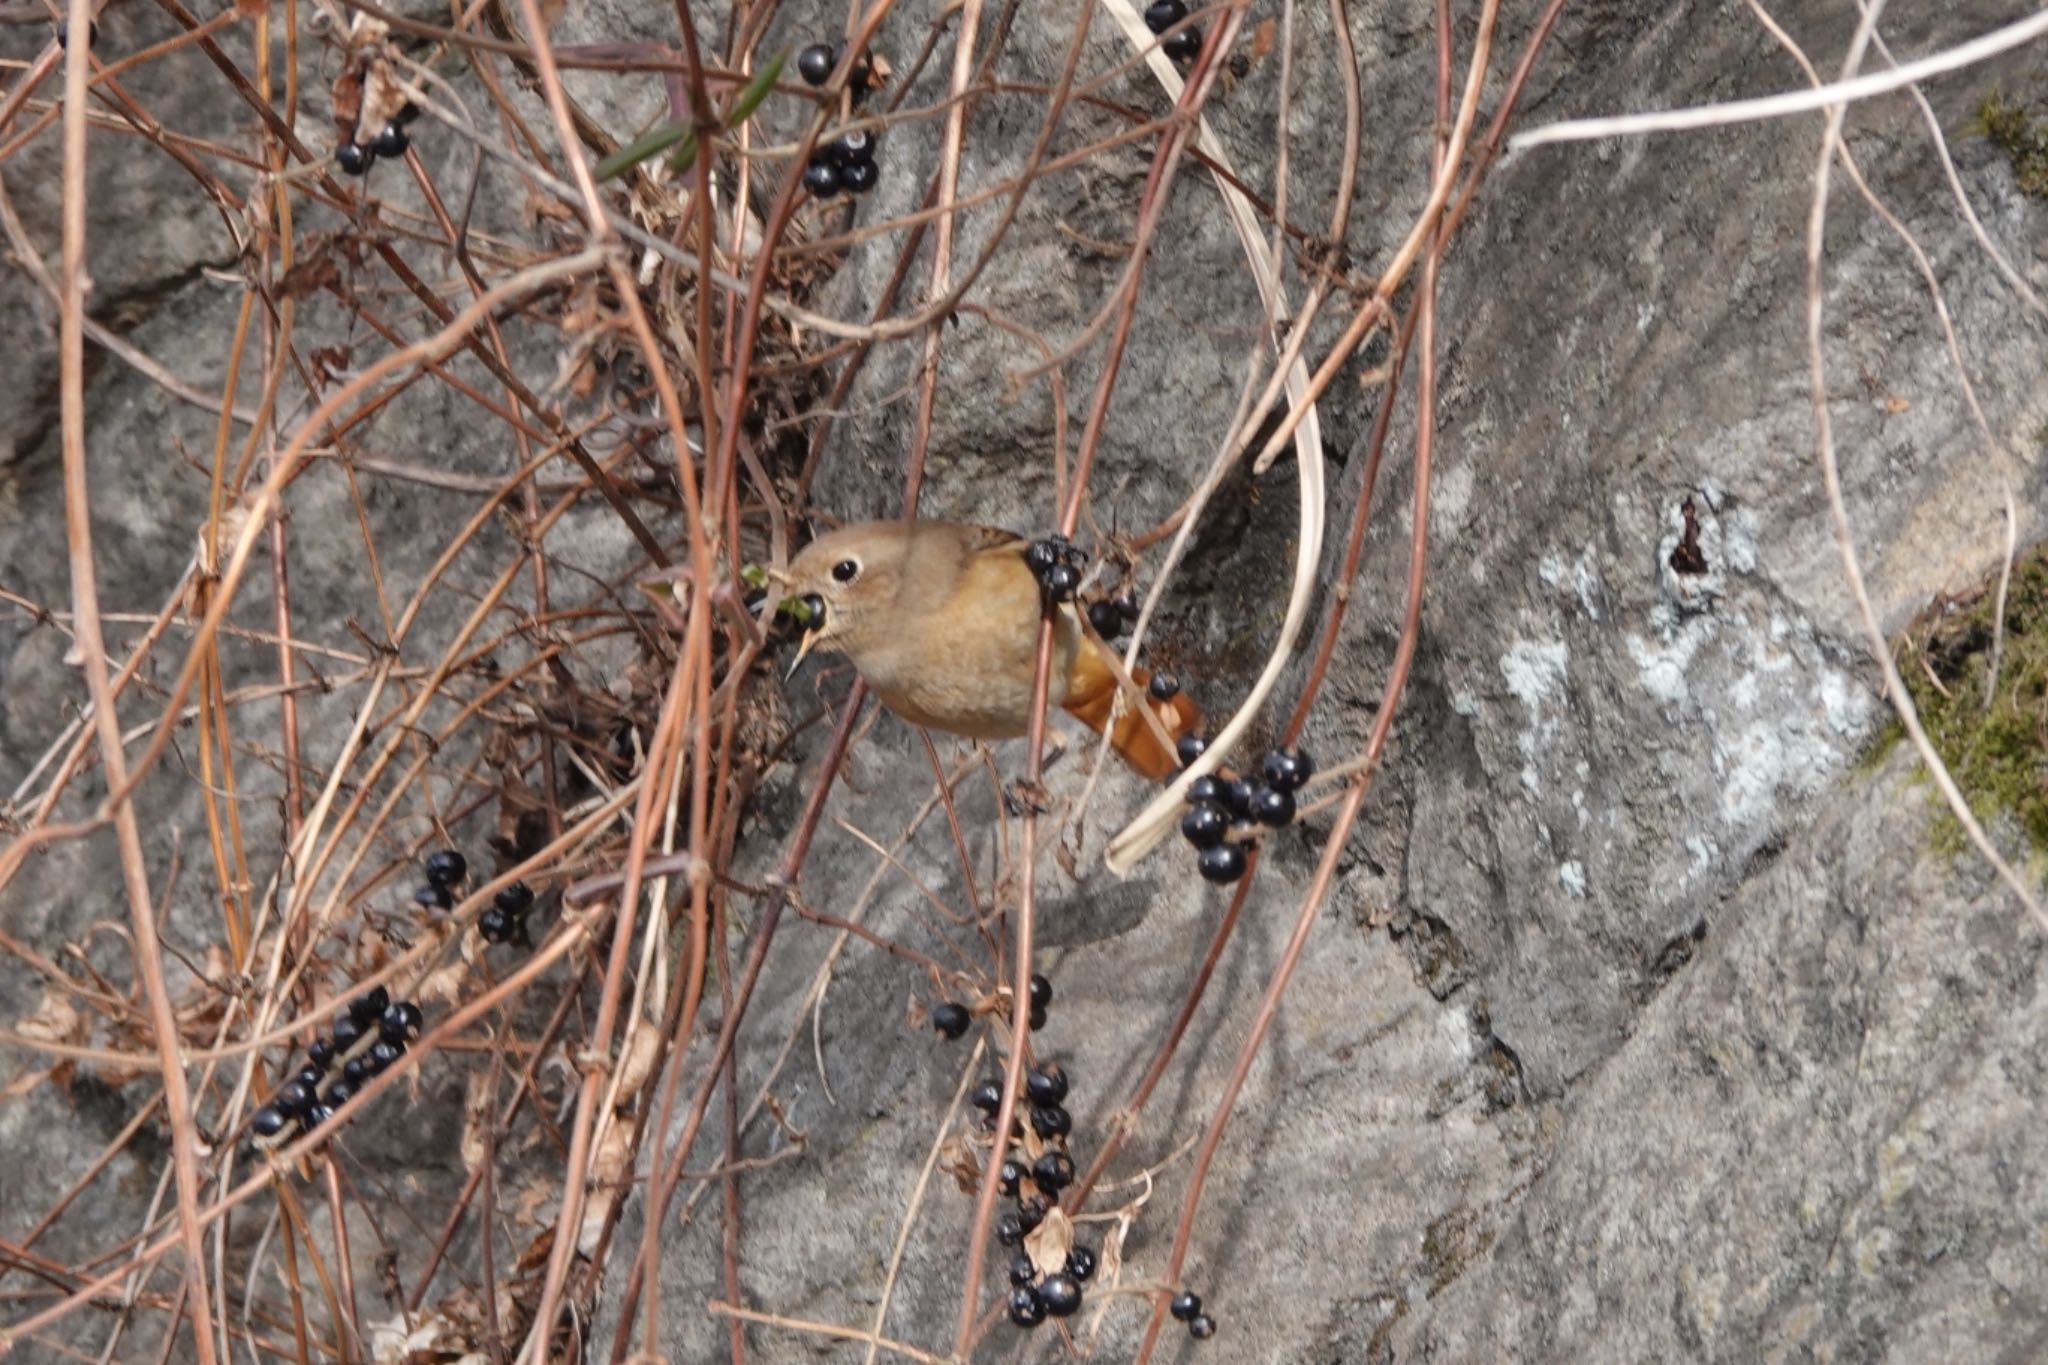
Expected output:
(803, 647)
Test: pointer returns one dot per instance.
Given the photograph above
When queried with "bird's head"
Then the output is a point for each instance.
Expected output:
(845, 579)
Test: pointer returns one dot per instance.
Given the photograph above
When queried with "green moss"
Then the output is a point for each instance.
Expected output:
(2023, 139)
(1998, 753)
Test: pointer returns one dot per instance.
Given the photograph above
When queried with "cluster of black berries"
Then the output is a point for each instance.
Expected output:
(1187, 1307)
(1162, 15)
(817, 62)
(848, 161)
(1057, 564)
(505, 921)
(445, 870)
(1033, 1173)
(355, 158)
(1111, 617)
(368, 1037)
(1219, 807)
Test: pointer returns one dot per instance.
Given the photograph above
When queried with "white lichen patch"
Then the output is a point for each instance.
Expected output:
(1535, 673)
(1450, 499)
(1663, 661)
(1804, 719)
(1580, 577)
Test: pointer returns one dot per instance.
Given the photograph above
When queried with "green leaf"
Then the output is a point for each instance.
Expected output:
(686, 155)
(757, 89)
(670, 134)
(655, 143)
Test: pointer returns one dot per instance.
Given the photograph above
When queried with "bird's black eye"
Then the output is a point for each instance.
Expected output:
(846, 570)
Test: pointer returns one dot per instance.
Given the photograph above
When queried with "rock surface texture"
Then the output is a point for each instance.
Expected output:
(1644, 1020)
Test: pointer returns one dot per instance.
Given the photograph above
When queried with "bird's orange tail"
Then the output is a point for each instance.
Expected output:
(1091, 699)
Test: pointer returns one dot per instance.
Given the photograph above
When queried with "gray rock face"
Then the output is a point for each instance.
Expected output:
(1679, 1041)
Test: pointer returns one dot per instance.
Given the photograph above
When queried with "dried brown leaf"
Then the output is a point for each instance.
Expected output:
(1264, 37)
(1051, 1240)
(958, 1158)
(643, 1047)
(56, 1020)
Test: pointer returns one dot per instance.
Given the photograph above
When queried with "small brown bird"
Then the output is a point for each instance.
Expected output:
(942, 621)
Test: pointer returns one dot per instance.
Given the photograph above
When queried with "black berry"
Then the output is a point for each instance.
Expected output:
(515, 899)
(1007, 1176)
(1206, 790)
(1041, 555)
(1162, 15)
(369, 1007)
(1009, 1229)
(859, 176)
(950, 1019)
(821, 178)
(1127, 605)
(338, 1094)
(92, 33)
(347, 1032)
(1060, 581)
(1204, 826)
(1053, 1171)
(1047, 1085)
(353, 159)
(320, 1052)
(432, 896)
(401, 1023)
(1183, 46)
(1031, 1212)
(1081, 1263)
(1237, 797)
(1107, 620)
(1061, 1294)
(1051, 1121)
(1021, 1269)
(357, 1070)
(1025, 1309)
(1185, 1305)
(1201, 1327)
(815, 64)
(383, 1054)
(1041, 991)
(1189, 748)
(1222, 864)
(495, 925)
(407, 112)
(293, 1097)
(1270, 806)
(857, 145)
(988, 1096)
(310, 1077)
(268, 1121)
(319, 1114)
(1163, 687)
(1287, 769)
(1037, 1020)
(446, 866)
(857, 77)
(392, 142)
